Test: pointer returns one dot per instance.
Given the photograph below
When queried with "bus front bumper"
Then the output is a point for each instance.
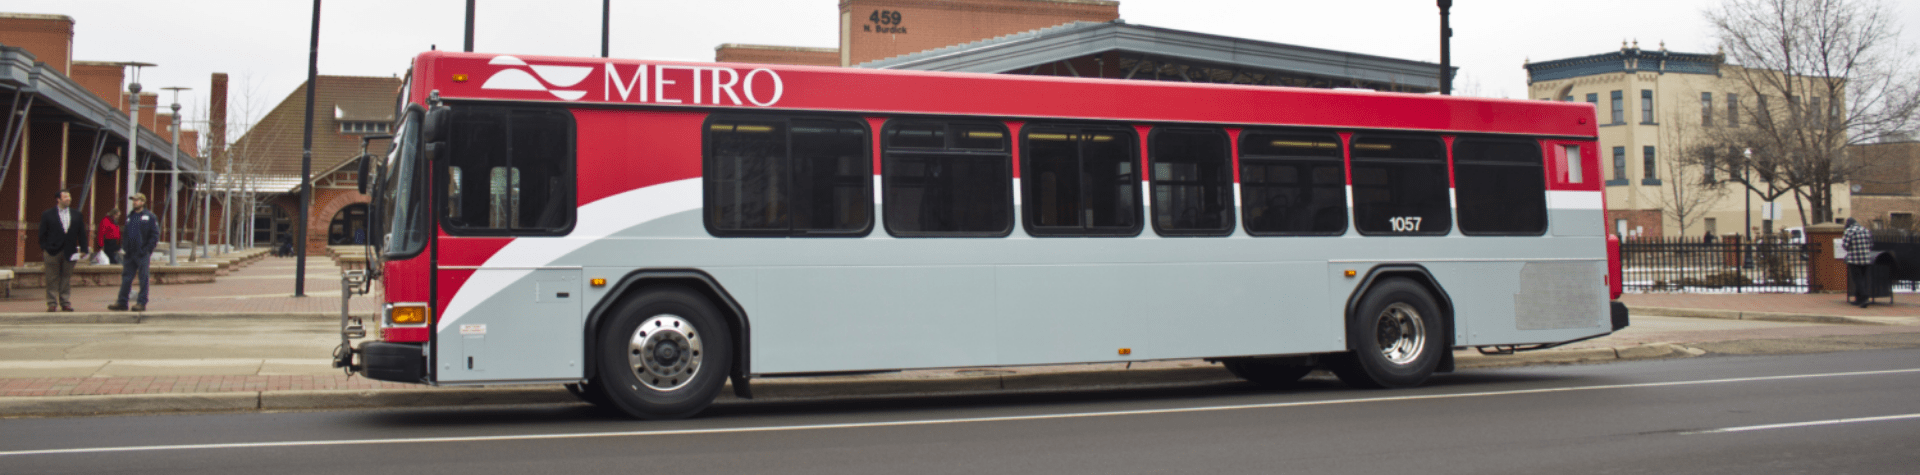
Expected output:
(397, 362)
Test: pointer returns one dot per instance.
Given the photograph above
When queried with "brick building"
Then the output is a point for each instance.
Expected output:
(266, 161)
(66, 128)
(1887, 193)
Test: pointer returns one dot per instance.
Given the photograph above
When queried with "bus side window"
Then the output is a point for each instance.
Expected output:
(1400, 185)
(778, 176)
(1080, 181)
(524, 158)
(947, 179)
(1292, 184)
(1570, 161)
(1192, 182)
(1501, 186)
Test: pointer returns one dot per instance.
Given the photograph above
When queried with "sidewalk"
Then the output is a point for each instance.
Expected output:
(244, 343)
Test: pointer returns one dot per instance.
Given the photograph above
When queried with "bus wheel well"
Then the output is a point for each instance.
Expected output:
(1418, 275)
(642, 281)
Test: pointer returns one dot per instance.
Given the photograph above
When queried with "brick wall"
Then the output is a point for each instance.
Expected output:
(1647, 221)
(49, 38)
(739, 53)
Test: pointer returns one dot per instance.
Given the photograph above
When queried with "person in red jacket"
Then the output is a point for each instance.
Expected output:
(110, 236)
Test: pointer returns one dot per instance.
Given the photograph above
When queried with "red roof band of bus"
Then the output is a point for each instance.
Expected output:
(592, 84)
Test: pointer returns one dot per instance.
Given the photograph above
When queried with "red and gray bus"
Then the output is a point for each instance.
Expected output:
(650, 232)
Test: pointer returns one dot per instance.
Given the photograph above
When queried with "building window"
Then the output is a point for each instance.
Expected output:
(1706, 109)
(1620, 165)
(1080, 181)
(787, 176)
(1292, 183)
(1763, 112)
(1901, 220)
(1400, 185)
(1646, 106)
(1192, 182)
(1619, 108)
(1649, 169)
(1733, 110)
(1501, 186)
(1569, 98)
(945, 179)
(363, 127)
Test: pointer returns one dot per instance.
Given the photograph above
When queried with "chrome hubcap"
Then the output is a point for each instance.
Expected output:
(664, 353)
(1401, 333)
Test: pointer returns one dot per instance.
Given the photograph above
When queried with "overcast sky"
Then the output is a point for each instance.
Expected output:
(263, 44)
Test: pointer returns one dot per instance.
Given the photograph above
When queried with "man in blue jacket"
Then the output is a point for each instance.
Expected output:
(138, 238)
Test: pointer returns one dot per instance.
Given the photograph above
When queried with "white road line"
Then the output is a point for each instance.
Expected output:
(1791, 425)
(856, 425)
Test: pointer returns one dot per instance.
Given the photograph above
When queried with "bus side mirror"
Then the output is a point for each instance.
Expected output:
(434, 127)
(366, 166)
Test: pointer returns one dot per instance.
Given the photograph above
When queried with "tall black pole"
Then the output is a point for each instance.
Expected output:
(469, 26)
(606, 21)
(306, 160)
(1446, 58)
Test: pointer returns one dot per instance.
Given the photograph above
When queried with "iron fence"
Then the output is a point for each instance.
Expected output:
(1679, 264)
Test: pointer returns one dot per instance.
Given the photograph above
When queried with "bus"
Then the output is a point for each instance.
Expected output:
(649, 232)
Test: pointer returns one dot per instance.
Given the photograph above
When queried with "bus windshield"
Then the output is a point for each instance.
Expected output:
(404, 200)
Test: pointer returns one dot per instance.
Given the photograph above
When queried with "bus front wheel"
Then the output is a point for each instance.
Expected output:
(664, 355)
(1394, 337)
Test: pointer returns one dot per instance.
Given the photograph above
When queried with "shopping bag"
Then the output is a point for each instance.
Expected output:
(100, 258)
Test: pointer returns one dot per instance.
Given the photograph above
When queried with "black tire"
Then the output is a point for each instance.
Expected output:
(688, 352)
(1266, 373)
(1395, 336)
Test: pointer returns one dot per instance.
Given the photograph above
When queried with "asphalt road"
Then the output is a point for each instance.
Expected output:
(1842, 412)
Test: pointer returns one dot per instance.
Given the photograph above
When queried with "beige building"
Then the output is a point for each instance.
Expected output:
(1652, 107)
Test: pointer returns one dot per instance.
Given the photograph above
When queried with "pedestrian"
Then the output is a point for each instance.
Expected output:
(1858, 242)
(140, 235)
(63, 237)
(110, 236)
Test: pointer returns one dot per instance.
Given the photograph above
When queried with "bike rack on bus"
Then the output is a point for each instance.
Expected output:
(351, 327)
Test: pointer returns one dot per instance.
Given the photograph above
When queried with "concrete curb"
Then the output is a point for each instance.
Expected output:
(68, 318)
(1763, 316)
(773, 389)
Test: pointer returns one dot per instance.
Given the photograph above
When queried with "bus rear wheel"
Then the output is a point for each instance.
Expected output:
(664, 354)
(1394, 337)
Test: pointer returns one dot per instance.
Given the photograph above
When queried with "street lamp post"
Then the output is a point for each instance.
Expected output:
(173, 191)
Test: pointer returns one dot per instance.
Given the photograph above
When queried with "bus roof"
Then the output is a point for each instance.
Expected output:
(601, 81)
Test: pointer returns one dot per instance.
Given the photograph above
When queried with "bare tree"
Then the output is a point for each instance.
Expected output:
(1692, 185)
(1825, 74)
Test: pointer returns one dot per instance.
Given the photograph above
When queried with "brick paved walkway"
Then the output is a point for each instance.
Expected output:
(265, 286)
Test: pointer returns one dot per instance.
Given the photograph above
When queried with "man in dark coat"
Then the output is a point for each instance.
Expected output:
(138, 237)
(1858, 242)
(63, 237)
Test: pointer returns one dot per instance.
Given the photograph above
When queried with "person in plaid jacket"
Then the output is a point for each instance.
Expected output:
(1858, 242)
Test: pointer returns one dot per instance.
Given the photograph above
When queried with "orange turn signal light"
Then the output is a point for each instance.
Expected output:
(1351, 273)
(1126, 351)
(409, 315)
(599, 282)
(460, 77)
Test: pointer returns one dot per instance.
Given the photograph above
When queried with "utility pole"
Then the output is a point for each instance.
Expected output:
(306, 159)
(469, 26)
(1446, 62)
(606, 22)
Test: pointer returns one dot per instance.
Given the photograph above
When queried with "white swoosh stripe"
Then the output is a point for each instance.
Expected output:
(596, 221)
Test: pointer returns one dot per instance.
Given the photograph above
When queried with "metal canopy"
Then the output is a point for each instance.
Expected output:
(56, 93)
(1147, 52)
